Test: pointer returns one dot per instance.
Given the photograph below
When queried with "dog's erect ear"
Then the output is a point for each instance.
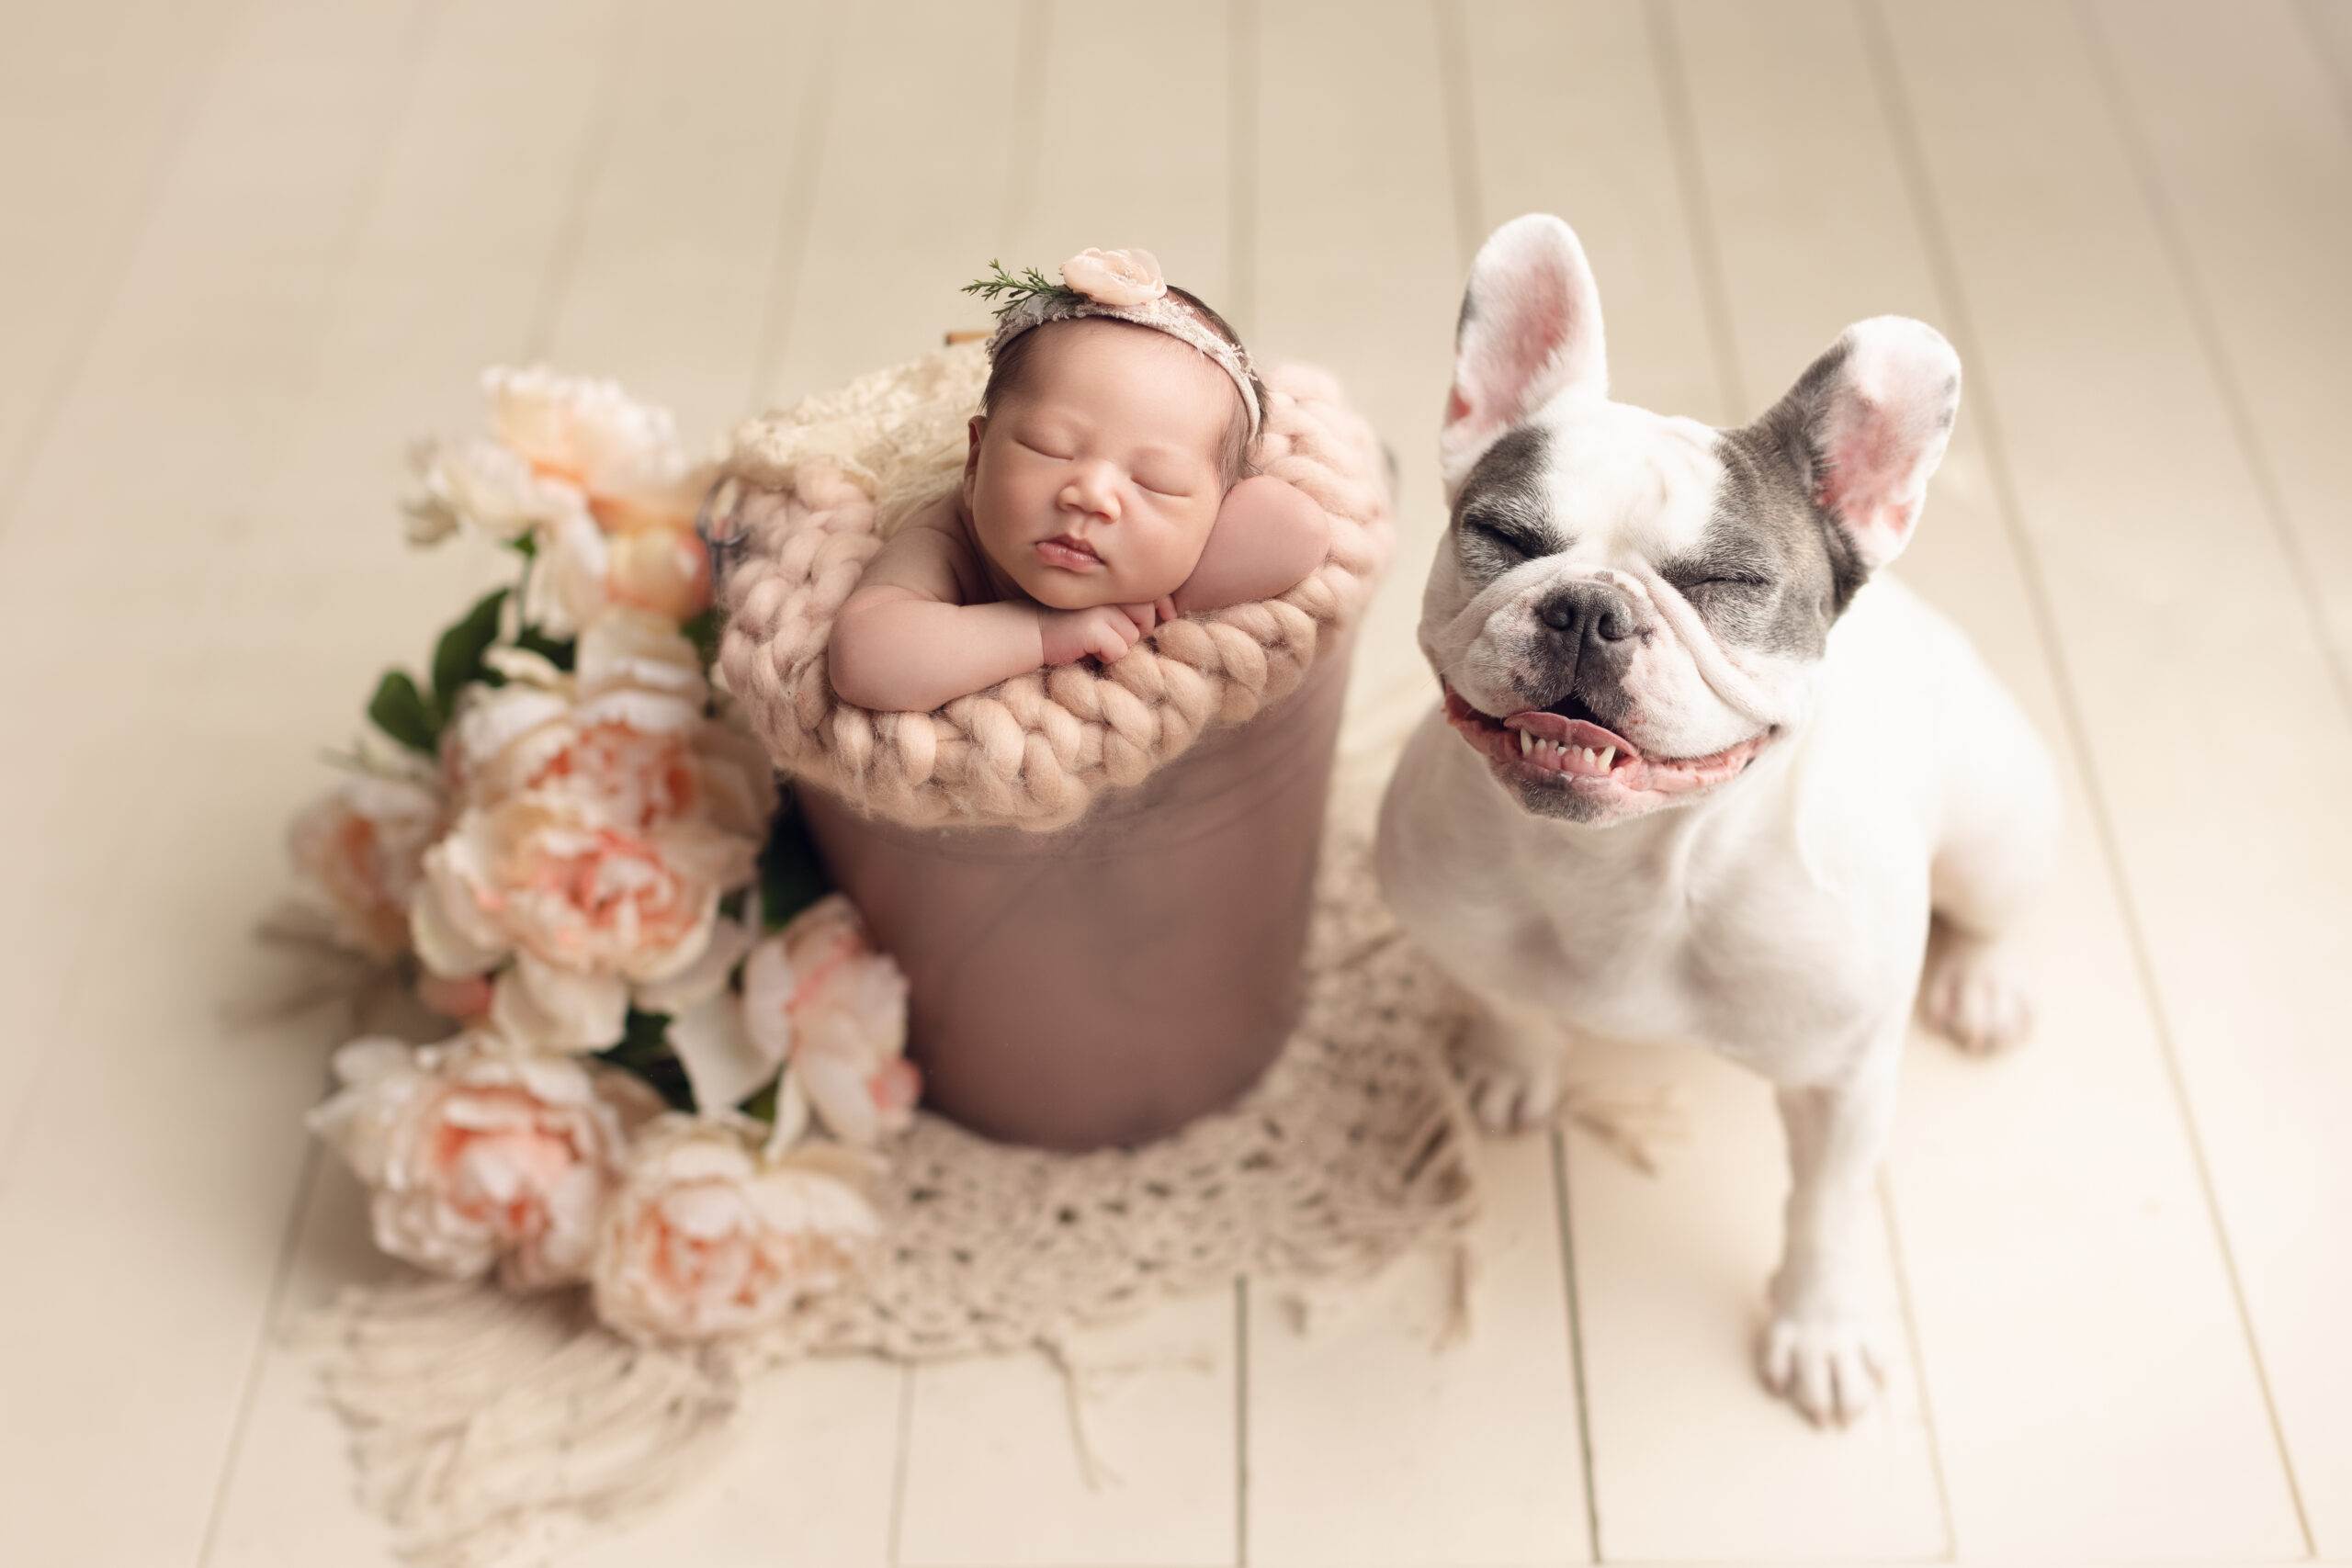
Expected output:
(1530, 330)
(1868, 423)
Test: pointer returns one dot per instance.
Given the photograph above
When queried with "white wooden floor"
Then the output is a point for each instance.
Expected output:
(248, 246)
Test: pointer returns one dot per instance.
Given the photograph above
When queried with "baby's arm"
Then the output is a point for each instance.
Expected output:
(906, 642)
(1267, 538)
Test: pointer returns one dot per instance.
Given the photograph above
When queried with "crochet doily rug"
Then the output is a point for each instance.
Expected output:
(487, 1427)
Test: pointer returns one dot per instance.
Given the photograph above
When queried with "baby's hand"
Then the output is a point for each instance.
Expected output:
(1105, 631)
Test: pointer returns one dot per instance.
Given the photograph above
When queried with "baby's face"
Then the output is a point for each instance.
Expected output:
(1097, 480)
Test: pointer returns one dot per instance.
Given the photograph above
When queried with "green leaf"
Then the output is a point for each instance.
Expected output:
(703, 632)
(457, 658)
(761, 1107)
(644, 1050)
(556, 651)
(405, 714)
(790, 876)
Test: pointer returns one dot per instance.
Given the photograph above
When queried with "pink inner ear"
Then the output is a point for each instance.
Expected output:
(1871, 485)
(1527, 331)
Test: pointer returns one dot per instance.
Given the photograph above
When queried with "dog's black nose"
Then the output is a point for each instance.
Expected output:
(1586, 612)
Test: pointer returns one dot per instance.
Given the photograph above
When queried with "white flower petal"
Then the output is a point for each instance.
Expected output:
(723, 1063)
(702, 979)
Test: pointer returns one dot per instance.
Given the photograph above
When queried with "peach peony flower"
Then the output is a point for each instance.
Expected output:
(1115, 277)
(478, 1157)
(363, 846)
(594, 477)
(706, 1236)
(819, 996)
(485, 484)
(621, 455)
(585, 907)
(583, 570)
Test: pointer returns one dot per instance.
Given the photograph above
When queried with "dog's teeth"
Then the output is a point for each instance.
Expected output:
(1526, 744)
(1608, 755)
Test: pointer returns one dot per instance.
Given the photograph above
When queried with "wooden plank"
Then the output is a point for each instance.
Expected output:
(157, 1165)
(91, 98)
(1373, 1440)
(917, 160)
(2241, 140)
(678, 248)
(996, 1476)
(1692, 1459)
(2173, 600)
(1816, 231)
(1155, 172)
(1359, 266)
(1568, 120)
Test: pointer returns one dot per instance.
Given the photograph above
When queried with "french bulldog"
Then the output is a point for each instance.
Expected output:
(1700, 772)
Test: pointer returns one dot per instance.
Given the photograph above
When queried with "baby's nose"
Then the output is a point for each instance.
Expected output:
(1092, 488)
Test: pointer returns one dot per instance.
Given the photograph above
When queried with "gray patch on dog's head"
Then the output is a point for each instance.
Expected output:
(1767, 573)
(1502, 514)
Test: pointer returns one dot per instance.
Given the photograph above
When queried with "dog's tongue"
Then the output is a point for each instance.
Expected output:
(1570, 731)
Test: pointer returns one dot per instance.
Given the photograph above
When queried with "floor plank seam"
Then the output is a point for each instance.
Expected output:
(1241, 1422)
(273, 1310)
(2198, 301)
(796, 215)
(1943, 265)
(1576, 1339)
(1241, 154)
(68, 369)
(2331, 60)
(587, 168)
(1698, 216)
(1889, 1216)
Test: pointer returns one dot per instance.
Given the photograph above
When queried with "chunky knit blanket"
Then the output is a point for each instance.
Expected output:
(812, 493)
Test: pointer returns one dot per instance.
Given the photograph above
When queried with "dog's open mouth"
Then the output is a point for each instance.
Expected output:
(1577, 753)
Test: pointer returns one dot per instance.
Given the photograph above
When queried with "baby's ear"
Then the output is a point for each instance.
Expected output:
(973, 432)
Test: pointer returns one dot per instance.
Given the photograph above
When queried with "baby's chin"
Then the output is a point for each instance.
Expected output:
(1085, 590)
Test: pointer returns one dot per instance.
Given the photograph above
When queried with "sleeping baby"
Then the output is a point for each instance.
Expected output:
(1107, 489)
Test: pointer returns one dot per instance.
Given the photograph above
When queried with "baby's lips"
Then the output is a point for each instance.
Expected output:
(1064, 550)
(1570, 732)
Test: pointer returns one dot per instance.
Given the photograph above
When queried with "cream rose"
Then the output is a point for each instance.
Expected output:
(363, 847)
(707, 1237)
(477, 1157)
(1115, 277)
(818, 997)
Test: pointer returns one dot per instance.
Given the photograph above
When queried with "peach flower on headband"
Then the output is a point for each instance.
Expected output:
(1115, 277)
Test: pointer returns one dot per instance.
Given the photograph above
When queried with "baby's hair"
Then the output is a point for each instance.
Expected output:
(1234, 463)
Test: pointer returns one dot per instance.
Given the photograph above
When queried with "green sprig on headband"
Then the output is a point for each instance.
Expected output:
(1004, 290)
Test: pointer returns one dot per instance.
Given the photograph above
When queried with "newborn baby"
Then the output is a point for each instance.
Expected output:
(1105, 489)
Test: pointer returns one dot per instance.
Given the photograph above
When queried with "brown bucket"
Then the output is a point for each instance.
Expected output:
(1105, 983)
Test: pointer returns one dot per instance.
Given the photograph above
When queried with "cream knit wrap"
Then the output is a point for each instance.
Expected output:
(814, 491)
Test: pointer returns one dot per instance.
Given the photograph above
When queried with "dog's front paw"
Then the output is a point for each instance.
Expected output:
(1511, 1097)
(1829, 1368)
(1973, 993)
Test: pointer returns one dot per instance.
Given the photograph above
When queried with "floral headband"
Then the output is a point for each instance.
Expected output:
(1119, 286)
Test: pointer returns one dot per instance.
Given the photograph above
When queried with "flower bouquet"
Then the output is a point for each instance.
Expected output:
(674, 1057)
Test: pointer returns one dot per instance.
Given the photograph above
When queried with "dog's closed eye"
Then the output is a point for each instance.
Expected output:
(1504, 534)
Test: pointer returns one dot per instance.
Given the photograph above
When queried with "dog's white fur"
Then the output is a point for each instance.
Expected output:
(1779, 915)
